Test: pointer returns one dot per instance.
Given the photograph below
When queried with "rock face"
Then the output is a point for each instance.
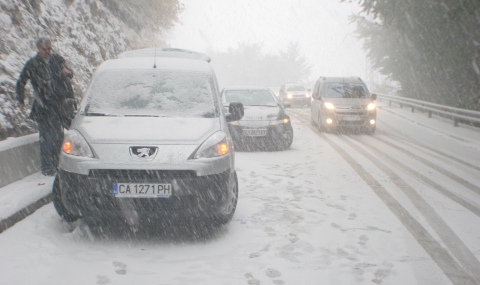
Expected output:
(84, 32)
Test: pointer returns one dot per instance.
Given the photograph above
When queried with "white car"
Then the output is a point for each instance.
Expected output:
(150, 140)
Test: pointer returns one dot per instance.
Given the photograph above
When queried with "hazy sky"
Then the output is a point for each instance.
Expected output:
(320, 26)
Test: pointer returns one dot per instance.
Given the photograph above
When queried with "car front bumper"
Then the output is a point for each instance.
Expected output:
(347, 119)
(192, 196)
(274, 133)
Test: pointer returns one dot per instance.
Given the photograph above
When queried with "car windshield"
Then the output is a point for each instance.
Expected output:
(296, 88)
(151, 93)
(250, 97)
(345, 90)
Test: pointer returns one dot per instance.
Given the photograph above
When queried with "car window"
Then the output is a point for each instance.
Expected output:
(250, 97)
(152, 93)
(296, 88)
(345, 90)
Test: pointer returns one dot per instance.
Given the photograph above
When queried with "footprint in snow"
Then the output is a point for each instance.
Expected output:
(102, 279)
(120, 268)
(362, 240)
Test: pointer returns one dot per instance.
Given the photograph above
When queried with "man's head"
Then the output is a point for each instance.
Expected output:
(44, 46)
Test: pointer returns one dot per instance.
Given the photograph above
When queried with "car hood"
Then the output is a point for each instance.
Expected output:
(146, 130)
(348, 102)
(297, 92)
(260, 113)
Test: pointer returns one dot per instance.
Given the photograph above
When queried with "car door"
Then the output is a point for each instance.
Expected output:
(281, 93)
(316, 103)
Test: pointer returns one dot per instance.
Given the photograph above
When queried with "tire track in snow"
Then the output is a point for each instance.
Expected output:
(443, 156)
(448, 174)
(439, 188)
(467, 273)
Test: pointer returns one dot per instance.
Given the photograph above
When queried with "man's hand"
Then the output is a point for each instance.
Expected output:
(65, 71)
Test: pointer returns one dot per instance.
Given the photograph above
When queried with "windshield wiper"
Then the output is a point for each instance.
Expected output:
(100, 114)
(142, 115)
(264, 105)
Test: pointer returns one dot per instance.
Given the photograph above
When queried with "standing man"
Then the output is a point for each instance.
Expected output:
(50, 79)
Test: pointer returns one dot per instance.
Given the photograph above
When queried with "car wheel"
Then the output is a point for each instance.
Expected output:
(371, 130)
(58, 203)
(232, 205)
(312, 121)
(288, 140)
(320, 126)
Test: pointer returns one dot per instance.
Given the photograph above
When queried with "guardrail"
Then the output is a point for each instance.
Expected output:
(456, 114)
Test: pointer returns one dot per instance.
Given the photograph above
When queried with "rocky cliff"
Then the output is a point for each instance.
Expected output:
(85, 32)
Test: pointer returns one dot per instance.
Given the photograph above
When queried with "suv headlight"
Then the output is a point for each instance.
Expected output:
(75, 144)
(215, 145)
(329, 106)
(289, 95)
(371, 106)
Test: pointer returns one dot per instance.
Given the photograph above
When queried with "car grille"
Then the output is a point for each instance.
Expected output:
(141, 175)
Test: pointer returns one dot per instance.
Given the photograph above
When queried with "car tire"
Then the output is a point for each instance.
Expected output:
(371, 130)
(320, 126)
(232, 206)
(58, 203)
(312, 121)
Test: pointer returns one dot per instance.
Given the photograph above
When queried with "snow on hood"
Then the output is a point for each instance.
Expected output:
(148, 130)
(260, 113)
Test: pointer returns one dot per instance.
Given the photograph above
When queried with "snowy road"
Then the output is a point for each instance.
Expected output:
(399, 207)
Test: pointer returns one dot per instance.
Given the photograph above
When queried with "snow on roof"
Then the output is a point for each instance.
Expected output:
(341, 79)
(165, 52)
(246, 88)
(161, 63)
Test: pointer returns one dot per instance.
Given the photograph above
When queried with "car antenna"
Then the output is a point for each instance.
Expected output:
(155, 57)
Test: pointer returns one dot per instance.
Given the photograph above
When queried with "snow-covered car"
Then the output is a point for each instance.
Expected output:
(150, 140)
(294, 94)
(343, 102)
(265, 124)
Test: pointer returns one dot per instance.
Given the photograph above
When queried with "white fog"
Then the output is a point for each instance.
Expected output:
(311, 149)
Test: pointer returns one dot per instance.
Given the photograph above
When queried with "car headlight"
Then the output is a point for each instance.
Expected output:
(279, 122)
(307, 95)
(215, 145)
(289, 95)
(329, 106)
(371, 106)
(234, 123)
(75, 144)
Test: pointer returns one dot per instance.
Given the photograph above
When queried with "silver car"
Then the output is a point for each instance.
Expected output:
(343, 103)
(150, 140)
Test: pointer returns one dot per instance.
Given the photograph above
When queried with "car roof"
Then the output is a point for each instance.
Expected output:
(165, 52)
(245, 88)
(160, 63)
(289, 84)
(342, 79)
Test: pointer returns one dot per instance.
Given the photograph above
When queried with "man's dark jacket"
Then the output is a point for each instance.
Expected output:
(51, 88)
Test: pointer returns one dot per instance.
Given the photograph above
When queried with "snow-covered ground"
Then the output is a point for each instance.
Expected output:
(399, 207)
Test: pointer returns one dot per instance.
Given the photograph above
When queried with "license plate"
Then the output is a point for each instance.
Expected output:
(255, 133)
(352, 118)
(142, 190)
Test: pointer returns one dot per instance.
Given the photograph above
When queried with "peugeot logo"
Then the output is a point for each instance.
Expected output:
(143, 152)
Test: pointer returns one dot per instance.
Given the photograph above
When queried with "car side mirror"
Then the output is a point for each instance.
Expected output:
(235, 111)
(287, 104)
(373, 97)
